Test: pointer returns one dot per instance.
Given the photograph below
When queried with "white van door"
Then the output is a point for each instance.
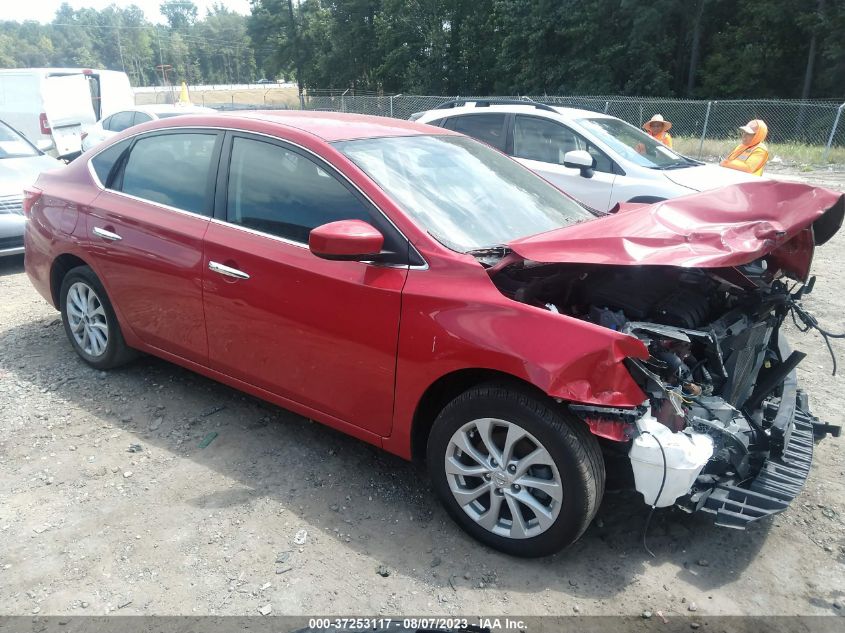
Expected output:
(67, 104)
(114, 92)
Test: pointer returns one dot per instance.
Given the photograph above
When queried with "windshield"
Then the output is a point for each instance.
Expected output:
(635, 145)
(464, 193)
(13, 145)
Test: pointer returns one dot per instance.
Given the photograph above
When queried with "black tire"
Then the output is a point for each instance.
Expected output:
(116, 352)
(573, 449)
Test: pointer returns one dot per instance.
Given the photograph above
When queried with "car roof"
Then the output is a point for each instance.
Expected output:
(528, 108)
(170, 107)
(328, 126)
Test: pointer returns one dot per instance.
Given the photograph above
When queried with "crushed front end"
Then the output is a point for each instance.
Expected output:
(732, 379)
(706, 283)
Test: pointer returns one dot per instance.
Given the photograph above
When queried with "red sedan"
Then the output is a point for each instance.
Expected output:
(423, 292)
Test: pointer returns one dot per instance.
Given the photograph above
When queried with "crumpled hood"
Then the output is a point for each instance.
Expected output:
(727, 227)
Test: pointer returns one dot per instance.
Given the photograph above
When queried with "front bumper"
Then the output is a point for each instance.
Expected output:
(779, 481)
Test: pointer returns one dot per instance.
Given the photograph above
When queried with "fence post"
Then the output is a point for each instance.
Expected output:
(606, 106)
(704, 129)
(832, 132)
(391, 102)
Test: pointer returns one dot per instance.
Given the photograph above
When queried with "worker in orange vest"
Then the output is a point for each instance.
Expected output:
(658, 128)
(751, 154)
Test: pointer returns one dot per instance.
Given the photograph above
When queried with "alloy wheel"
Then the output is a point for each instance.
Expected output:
(87, 319)
(503, 478)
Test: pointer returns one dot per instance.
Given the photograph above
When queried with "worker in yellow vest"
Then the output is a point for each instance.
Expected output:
(658, 128)
(751, 154)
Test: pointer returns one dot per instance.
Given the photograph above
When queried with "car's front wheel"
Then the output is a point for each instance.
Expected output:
(514, 471)
(90, 322)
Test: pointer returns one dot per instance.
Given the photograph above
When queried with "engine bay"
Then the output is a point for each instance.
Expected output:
(714, 376)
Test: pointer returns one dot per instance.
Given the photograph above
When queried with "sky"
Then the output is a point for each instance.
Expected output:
(44, 10)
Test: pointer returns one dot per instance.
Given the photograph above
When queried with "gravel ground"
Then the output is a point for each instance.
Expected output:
(89, 527)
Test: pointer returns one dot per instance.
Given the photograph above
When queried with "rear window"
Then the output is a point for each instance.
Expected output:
(120, 121)
(489, 128)
(104, 162)
(171, 169)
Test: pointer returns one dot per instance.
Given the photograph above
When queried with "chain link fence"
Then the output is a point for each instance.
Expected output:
(807, 132)
(800, 132)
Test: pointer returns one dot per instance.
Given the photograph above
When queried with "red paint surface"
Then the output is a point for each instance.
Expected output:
(356, 345)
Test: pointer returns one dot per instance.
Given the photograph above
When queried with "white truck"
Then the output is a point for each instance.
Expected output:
(51, 106)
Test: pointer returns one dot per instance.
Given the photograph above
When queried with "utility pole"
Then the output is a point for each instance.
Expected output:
(119, 45)
(294, 37)
(160, 54)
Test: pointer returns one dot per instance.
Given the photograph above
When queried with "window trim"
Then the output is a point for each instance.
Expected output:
(614, 168)
(214, 164)
(413, 253)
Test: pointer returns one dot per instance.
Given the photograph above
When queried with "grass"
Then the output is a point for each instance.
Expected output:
(789, 153)
(270, 97)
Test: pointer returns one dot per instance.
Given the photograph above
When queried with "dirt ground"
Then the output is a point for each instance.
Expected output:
(88, 527)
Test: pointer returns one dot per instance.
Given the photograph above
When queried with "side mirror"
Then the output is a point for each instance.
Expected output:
(580, 159)
(44, 144)
(347, 240)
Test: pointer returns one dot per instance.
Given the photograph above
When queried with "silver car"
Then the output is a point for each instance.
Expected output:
(20, 164)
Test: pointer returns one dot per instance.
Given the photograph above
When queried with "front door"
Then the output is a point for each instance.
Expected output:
(319, 333)
(541, 144)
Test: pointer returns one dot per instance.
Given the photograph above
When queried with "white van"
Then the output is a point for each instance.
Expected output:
(51, 106)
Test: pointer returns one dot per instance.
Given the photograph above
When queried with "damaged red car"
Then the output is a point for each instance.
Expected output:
(427, 294)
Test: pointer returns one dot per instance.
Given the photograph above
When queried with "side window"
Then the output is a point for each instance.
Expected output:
(489, 128)
(547, 141)
(141, 117)
(104, 162)
(171, 169)
(107, 122)
(121, 121)
(277, 191)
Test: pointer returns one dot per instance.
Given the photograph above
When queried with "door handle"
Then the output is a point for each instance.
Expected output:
(227, 270)
(106, 235)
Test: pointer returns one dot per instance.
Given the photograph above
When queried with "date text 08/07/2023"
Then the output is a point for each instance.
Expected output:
(481, 624)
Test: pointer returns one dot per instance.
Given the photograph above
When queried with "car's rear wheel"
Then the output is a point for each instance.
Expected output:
(514, 471)
(90, 322)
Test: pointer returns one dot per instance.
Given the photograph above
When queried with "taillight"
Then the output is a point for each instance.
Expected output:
(30, 197)
(83, 136)
(45, 124)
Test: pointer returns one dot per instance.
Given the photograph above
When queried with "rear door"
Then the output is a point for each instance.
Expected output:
(68, 107)
(541, 144)
(490, 127)
(319, 333)
(146, 231)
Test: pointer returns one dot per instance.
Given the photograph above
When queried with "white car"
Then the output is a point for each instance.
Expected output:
(21, 162)
(119, 121)
(598, 159)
